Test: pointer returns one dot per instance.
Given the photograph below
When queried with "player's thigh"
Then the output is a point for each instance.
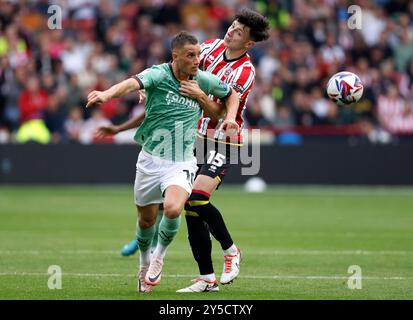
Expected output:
(147, 214)
(206, 183)
(177, 186)
(174, 200)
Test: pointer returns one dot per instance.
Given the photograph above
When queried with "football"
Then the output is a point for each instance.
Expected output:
(344, 88)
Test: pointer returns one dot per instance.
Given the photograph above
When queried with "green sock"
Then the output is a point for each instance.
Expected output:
(144, 237)
(168, 228)
(155, 236)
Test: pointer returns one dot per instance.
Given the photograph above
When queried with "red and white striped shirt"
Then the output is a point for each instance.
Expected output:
(239, 73)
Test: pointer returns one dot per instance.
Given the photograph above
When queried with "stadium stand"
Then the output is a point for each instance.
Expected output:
(45, 74)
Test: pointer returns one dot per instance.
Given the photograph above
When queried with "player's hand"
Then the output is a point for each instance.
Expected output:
(142, 96)
(191, 89)
(96, 98)
(230, 127)
(104, 131)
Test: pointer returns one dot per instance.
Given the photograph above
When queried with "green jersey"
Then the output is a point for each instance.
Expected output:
(169, 128)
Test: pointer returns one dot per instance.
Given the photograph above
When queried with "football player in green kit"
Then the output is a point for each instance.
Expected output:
(166, 165)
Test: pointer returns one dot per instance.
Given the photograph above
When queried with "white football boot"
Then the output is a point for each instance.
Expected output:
(231, 267)
(153, 276)
(201, 285)
(142, 286)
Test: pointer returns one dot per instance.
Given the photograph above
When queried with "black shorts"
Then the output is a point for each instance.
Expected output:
(214, 158)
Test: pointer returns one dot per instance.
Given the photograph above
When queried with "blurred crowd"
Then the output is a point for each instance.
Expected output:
(46, 73)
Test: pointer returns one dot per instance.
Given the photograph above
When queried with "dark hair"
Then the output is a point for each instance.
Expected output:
(258, 24)
(183, 38)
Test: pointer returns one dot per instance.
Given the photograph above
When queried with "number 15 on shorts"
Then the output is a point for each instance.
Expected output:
(215, 158)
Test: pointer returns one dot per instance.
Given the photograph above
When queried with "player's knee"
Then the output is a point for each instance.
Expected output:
(172, 210)
(146, 222)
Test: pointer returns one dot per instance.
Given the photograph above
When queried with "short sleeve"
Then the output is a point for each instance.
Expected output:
(243, 80)
(149, 78)
(216, 87)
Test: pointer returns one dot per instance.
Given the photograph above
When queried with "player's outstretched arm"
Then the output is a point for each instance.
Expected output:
(116, 91)
(232, 104)
(213, 109)
(111, 130)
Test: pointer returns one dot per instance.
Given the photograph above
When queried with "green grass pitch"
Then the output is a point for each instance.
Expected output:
(298, 243)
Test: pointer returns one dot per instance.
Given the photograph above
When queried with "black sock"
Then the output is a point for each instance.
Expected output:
(199, 202)
(200, 241)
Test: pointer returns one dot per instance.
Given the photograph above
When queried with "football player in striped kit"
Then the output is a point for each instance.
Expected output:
(228, 59)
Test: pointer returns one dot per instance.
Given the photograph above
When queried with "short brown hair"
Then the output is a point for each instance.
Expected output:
(183, 38)
(258, 24)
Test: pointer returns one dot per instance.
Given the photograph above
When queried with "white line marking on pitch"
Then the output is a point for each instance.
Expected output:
(193, 276)
(252, 252)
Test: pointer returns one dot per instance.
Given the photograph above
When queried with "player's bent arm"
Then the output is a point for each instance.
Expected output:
(230, 124)
(213, 109)
(232, 105)
(131, 123)
(123, 88)
(116, 91)
(110, 130)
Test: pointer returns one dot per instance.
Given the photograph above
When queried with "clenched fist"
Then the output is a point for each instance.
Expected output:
(96, 98)
(230, 126)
